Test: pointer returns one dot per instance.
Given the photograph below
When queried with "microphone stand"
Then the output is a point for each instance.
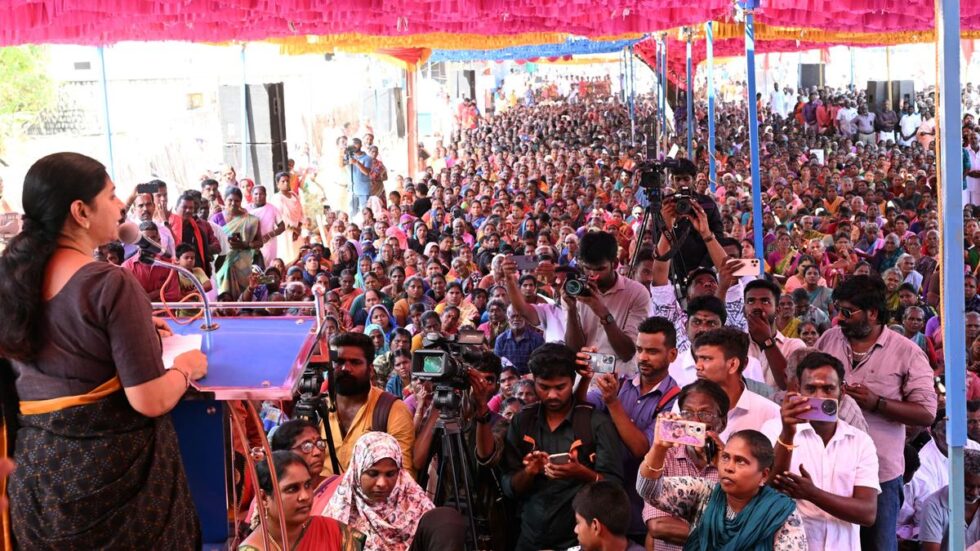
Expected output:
(147, 256)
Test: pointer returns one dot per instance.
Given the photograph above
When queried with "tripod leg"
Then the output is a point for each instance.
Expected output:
(464, 464)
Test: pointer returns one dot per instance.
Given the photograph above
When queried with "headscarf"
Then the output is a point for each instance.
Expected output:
(389, 525)
(392, 322)
(369, 328)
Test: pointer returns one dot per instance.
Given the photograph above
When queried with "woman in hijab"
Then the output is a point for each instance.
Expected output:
(377, 497)
(378, 337)
(740, 512)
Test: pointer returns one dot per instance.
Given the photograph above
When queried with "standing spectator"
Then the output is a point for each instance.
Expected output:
(829, 467)
(889, 377)
(271, 225)
(544, 488)
(517, 343)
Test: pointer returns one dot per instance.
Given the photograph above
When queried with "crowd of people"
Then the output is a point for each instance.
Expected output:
(816, 387)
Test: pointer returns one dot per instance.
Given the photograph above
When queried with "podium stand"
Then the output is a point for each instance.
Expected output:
(249, 358)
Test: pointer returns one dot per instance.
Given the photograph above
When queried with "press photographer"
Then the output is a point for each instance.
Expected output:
(464, 376)
(360, 163)
(603, 307)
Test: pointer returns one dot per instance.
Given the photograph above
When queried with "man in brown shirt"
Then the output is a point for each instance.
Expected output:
(890, 379)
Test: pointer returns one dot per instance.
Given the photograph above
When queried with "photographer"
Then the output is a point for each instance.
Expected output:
(482, 431)
(694, 251)
(610, 307)
(544, 467)
(829, 467)
(359, 162)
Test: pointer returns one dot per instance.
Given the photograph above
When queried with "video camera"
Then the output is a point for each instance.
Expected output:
(446, 360)
(350, 152)
(650, 178)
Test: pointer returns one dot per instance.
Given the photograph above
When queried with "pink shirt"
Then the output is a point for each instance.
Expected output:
(896, 369)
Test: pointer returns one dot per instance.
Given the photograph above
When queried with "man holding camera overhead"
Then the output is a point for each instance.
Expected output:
(604, 308)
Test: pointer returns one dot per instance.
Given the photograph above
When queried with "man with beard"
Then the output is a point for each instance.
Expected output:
(890, 379)
(554, 448)
(188, 228)
(144, 209)
(357, 400)
(635, 402)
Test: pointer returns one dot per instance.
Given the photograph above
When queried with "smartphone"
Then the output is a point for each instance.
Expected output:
(147, 188)
(821, 409)
(750, 267)
(680, 431)
(559, 458)
(525, 262)
(602, 363)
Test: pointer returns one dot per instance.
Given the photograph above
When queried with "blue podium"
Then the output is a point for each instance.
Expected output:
(249, 359)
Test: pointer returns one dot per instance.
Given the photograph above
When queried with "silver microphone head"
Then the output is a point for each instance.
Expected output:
(129, 233)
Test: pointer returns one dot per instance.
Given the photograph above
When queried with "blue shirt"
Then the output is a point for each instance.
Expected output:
(362, 182)
(518, 351)
(642, 410)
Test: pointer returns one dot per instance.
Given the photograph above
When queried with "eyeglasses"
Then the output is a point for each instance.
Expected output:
(845, 312)
(307, 447)
(703, 416)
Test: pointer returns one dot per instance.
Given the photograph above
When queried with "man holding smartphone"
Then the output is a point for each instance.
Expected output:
(828, 466)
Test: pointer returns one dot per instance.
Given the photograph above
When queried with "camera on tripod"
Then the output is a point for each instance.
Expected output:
(650, 178)
(445, 360)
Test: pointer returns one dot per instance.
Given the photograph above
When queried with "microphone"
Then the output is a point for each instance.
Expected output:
(130, 234)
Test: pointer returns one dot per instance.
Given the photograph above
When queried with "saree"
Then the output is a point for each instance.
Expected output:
(322, 534)
(98, 475)
(233, 275)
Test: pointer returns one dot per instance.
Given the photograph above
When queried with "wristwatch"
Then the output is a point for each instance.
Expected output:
(607, 319)
(485, 418)
(768, 343)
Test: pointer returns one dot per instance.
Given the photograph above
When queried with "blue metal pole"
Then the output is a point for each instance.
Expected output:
(850, 50)
(632, 79)
(754, 139)
(709, 44)
(951, 225)
(246, 135)
(105, 113)
(663, 95)
(690, 101)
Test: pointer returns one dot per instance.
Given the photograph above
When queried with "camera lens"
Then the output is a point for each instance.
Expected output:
(574, 287)
(683, 207)
(829, 407)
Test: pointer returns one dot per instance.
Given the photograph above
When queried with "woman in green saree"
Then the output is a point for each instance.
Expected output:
(244, 240)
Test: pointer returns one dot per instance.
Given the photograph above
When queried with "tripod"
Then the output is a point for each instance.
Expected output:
(455, 456)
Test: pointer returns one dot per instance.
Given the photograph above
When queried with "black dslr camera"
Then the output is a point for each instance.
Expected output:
(683, 201)
(350, 152)
(577, 285)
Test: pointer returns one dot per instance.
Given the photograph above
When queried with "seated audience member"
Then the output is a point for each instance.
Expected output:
(740, 511)
(602, 515)
(705, 402)
(933, 518)
(305, 531)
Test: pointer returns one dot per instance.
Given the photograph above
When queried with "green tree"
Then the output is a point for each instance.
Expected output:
(25, 89)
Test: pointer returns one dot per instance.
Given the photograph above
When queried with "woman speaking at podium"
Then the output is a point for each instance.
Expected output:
(98, 466)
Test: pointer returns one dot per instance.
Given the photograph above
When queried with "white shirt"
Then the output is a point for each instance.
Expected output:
(776, 102)
(848, 460)
(973, 184)
(785, 344)
(552, 321)
(908, 124)
(684, 371)
(750, 412)
(845, 120)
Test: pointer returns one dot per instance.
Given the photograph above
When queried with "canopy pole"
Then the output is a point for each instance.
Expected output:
(663, 94)
(749, 5)
(850, 51)
(246, 134)
(105, 114)
(888, 73)
(689, 96)
(411, 126)
(632, 97)
(951, 225)
(709, 45)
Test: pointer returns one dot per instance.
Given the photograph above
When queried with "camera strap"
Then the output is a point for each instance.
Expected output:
(583, 444)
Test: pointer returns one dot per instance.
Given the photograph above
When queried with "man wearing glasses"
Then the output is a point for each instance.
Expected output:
(890, 379)
(705, 402)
